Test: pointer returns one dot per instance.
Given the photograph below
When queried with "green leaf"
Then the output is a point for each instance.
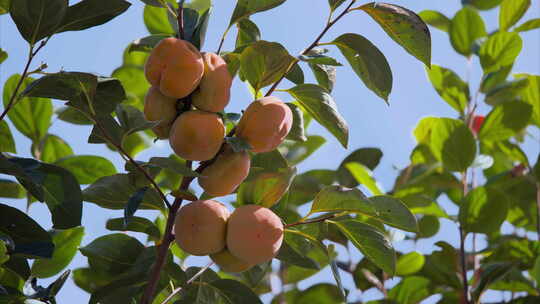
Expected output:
(265, 188)
(146, 44)
(248, 33)
(428, 226)
(493, 79)
(320, 104)
(531, 95)
(505, 120)
(453, 143)
(133, 204)
(500, 50)
(52, 184)
(364, 176)
(325, 75)
(367, 62)
(506, 92)
(156, 21)
(535, 272)
(489, 274)
(436, 19)
(371, 242)
(112, 252)
(132, 120)
(394, 212)
(37, 19)
(404, 27)
(89, 13)
(4, 6)
(320, 293)
(31, 116)
(482, 4)
(511, 11)
(369, 157)
(3, 54)
(409, 263)
(137, 224)
(30, 239)
(246, 8)
(466, 27)
(172, 163)
(294, 249)
(295, 74)
(225, 291)
(528, 25)
(53, 148)
(450, 87)
(483, 210)
(334, 4)
(114, 191)
(297, 132)
(87, 168)
(320, 59)
(297, 152)
(7, 144)
(55, 286)
(72, 115)
(339, 199)
(66, 243)
(410, 290)
(263, 63)
(11, 189)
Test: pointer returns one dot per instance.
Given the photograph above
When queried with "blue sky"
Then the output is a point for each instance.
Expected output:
(294, 24)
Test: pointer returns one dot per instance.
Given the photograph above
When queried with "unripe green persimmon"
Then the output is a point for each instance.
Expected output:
(265, 124)
(197, 135)
(227, 172)
(228, 262)
(158, 107)
(200, 227)
(215, 86)
(175, 66)
(254, 234)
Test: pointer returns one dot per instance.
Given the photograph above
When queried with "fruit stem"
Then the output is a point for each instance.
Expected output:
(311, 46)
(462, 236)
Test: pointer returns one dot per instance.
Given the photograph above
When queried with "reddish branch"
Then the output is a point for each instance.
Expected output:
(168, 237)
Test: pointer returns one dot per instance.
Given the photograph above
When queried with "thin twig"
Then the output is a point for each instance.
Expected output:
(462, 237)
(193, 278)
(222, 40)
(180, 19)
(322, 219)
(311, 46)
(31, 54)
(132, 161)
(538, 209)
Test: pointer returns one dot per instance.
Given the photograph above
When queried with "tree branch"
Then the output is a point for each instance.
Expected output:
(31, 54)
(462, 237)
(311, 46)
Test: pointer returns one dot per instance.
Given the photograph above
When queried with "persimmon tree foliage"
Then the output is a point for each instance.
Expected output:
(172, 87)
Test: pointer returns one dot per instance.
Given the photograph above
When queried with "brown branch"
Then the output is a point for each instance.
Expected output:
(31, 54)
(538, 209)
(322, 219)
(311, 46)
(180, 19)
(462, 236)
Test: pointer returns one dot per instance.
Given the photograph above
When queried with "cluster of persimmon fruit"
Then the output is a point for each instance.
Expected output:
(252, 234)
